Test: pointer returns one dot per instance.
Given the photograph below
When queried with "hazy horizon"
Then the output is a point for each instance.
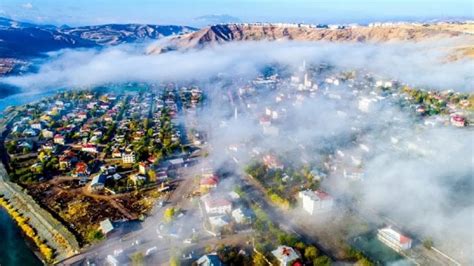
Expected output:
(186, 12)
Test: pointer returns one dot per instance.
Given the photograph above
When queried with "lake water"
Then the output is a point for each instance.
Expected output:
(23, 98)
(13, 249)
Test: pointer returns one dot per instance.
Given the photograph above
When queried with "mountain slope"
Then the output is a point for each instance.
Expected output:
(219, 34)
(20, 41)
(114, 34)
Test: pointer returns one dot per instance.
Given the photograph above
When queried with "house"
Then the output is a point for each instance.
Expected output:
(162, 175)
(458, 121)
(82, 169)
(37, 126)
(316, 201)
(82, 115)
(272, 162)
(91, 148)
(143, 168)
(265, 120)
(353, 173)
(116, 154)
(106, 226)
(286, 255)
(58, 139)
(394, 239)
(128, 157)
(98, 182)
(209, 182)
(216, 205)
(209, 260)
(47, 134)
(176, 162)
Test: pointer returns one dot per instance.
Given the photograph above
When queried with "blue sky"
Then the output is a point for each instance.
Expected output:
(82, 12)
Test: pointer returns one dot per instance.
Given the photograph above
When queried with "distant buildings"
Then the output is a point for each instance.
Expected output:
(394, 239)
(286, 255)
(316, 201)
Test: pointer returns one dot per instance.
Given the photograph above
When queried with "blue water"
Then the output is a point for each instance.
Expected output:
(13, 248)
(23, 98)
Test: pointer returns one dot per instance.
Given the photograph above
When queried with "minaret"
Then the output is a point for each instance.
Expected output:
(235, 113)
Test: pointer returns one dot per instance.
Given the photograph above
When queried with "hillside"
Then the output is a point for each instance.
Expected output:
(219, 34)
(20, 42)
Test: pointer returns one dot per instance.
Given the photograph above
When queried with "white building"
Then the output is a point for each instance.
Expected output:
(216, 205)
(285, 255)
(316, 201)
(128, 158)
(394, 239)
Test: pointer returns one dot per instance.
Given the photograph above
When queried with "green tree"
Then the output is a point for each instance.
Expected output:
(428, 243)
(258, 259)
(137, 259)
(310, 253)
(174, 261)
(169, 214)
(364, 262)
(322, 261)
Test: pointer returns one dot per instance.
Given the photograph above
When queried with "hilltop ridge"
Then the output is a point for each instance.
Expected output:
(375, 33)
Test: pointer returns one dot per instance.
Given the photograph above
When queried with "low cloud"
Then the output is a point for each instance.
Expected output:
(419, 64)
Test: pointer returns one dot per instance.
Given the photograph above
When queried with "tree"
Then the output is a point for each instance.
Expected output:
(94, 235)
(259, 259)
(322, 261)
(174, 261)
(311, 253)
(137, 259)
(364, 262)
(169, 213)
(428, 243)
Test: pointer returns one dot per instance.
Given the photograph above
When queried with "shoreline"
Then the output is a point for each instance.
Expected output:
(24, 251)
(47, 229)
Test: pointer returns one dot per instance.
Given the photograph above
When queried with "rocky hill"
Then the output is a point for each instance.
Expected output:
(19, 41)
(114, 34)
(219, 34)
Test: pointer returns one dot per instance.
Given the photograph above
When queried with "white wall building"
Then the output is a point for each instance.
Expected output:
(128, 158)
(285, 255)
(216, 205)
(394, 239)
(316, 201)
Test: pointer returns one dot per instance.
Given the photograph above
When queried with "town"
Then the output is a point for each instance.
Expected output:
(150, 174)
